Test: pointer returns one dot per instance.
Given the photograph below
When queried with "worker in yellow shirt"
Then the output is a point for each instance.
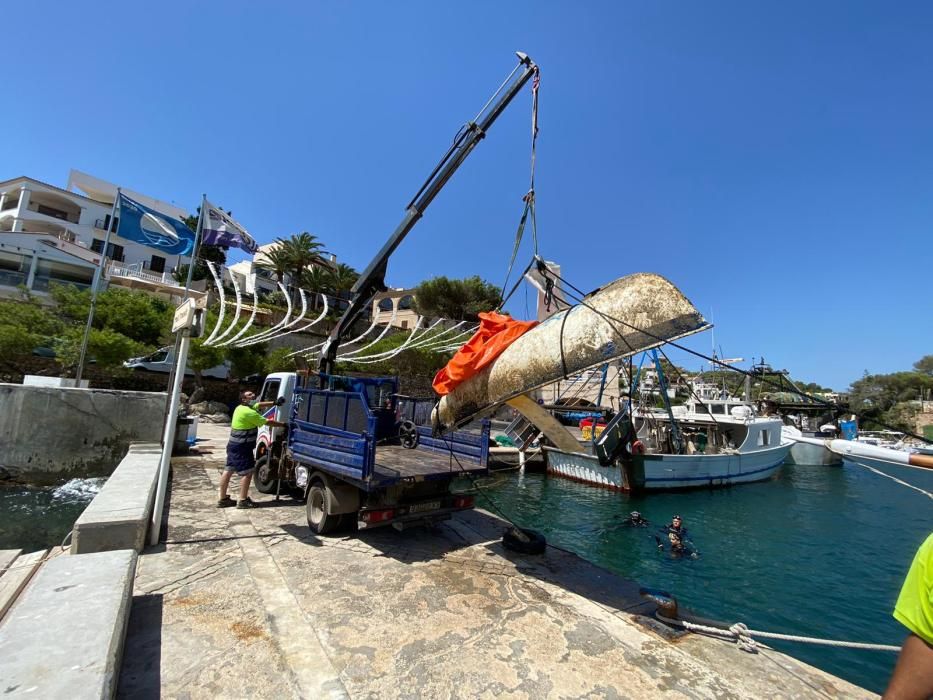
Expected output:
(913, 675)
(244, 431)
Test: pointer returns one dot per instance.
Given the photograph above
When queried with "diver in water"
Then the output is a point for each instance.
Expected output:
(676, 536)
(678, 546)
(677, 525)
(636, 519)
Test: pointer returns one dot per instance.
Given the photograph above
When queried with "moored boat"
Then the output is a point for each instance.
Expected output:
(705, 443)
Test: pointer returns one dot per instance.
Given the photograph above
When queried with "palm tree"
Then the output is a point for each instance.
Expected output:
(316, 279)
(304, 250)
(277, 260)
(342, 278)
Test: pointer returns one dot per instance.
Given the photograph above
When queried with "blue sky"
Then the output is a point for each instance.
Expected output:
(775, 162)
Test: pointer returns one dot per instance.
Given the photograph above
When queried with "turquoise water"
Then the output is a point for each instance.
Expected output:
(34, 518)
(818, 551)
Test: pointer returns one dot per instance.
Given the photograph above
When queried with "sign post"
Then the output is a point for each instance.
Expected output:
(186, 325)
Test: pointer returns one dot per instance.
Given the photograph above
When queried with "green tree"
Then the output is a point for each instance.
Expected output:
(141, 317)
(925, 365)
(247, 360)
(279, 360)
(25, 325)
(460, 300)
(108, 348)
(202, 357)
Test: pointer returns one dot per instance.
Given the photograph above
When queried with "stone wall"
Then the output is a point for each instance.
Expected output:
(48, 432)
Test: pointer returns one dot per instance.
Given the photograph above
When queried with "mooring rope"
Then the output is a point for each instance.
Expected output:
(892, 478)
(743, 635)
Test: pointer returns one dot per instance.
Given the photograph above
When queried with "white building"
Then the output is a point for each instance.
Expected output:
(49, 234)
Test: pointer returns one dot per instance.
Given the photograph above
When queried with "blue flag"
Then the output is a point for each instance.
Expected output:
(151, 228)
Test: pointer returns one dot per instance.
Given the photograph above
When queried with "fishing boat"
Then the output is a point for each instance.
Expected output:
(704, 443)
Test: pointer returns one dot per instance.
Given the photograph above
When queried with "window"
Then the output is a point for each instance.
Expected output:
(405, 302)
(114, 251)
(50, 211)
(270, 390)
(717, 408)
(160, 356)
(404, 324)
(702, 408)
(157, 263)
(385, 304)
(764, 438)
(116, 223)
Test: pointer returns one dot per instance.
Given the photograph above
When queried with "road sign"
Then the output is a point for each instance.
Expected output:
(184, 316)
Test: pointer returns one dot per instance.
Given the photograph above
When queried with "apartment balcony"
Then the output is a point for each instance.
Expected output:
(138, 271)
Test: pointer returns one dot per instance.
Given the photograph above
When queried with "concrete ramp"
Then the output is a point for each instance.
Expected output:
(64, 637)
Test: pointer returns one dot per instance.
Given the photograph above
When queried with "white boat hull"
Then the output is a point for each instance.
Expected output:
(585, 468)
(806, 453)
(670, 472)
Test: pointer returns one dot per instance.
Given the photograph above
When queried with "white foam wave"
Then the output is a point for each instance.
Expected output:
(79, 489)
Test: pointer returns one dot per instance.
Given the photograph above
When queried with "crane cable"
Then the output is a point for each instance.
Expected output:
(529, 197)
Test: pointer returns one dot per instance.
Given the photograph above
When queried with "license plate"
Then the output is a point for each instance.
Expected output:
(423, 507)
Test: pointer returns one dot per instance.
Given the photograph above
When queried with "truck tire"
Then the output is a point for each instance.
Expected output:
(319, 520)
(265, 482)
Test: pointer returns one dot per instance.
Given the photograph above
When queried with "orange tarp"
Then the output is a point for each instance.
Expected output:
(496, 332)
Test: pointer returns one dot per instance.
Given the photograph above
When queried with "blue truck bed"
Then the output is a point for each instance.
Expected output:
(351, 434)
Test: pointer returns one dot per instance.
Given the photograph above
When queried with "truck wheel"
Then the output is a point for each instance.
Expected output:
(265, 482)
(319, 520)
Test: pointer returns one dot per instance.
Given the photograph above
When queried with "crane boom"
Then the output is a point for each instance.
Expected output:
(372, 280)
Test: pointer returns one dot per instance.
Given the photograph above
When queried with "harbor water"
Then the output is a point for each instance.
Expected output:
(817, 551)
(34, 517)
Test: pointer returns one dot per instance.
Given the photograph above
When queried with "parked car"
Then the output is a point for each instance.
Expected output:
(163, 359)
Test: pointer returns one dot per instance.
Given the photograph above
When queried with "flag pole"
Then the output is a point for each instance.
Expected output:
(97, 278)
(197, 243)
(191, 263)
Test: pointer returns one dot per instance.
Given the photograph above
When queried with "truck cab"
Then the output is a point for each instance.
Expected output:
(362, 454)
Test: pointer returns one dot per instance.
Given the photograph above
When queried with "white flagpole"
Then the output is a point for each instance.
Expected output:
(197, 242)
(97, 278)
(191, 263)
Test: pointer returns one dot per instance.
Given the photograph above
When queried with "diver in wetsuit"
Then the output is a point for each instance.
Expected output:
(636, 519)
(677, 526)
(677, 539)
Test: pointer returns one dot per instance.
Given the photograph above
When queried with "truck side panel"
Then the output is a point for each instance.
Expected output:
(466, 446)
(344, 453)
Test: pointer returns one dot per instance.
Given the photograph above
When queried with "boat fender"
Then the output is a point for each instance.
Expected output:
(524, 541)
(636, 448)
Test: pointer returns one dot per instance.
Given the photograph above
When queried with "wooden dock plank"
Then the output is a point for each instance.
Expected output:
(7, 556)
(15, 579)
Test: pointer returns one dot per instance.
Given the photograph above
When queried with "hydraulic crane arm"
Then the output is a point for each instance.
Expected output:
(372, 281)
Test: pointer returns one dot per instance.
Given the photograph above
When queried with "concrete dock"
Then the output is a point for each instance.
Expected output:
(247, 603)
